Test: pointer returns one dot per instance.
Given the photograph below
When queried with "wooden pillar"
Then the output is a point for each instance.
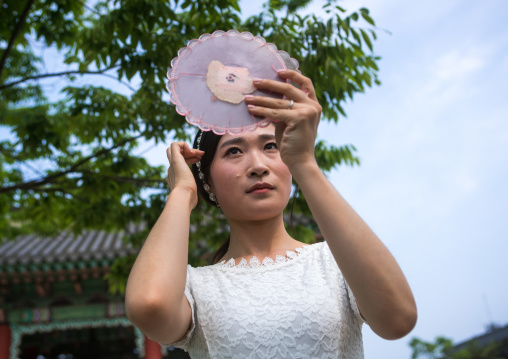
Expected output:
(5, 341)
(152, 349)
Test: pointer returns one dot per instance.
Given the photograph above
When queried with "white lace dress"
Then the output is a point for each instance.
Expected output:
(297, 306)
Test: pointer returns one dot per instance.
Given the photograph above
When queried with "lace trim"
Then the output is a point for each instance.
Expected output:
(268, 261)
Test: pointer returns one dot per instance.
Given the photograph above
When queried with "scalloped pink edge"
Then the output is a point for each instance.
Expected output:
(219, 130)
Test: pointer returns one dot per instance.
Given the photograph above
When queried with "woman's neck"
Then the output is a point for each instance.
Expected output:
(262, 239)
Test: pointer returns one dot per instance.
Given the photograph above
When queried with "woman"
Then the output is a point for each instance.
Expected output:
(302, 301)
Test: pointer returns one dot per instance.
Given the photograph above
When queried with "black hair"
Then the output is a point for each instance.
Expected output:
(209, 142)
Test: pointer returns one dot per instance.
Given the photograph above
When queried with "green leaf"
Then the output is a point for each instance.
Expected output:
(366, 38)
(366, 16)
(357, 37)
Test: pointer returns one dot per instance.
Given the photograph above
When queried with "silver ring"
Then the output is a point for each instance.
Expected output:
(291, 102)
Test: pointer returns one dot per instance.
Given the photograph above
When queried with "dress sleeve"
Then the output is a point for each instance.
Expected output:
(343, 283)
(353, 304)
(184, 341)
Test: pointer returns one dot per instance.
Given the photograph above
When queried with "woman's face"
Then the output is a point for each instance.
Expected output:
(248, 176)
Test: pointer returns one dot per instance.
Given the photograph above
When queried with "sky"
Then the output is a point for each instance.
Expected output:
(433, 144)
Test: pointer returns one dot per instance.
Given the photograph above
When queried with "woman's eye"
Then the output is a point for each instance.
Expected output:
(233, 151)
(271, 146)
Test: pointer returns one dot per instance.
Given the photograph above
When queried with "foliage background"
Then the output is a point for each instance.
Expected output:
(70, 161)
(443, 348)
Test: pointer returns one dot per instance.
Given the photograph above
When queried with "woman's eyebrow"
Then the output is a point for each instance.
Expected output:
(266, 137)
(240, 140)
(233, 141)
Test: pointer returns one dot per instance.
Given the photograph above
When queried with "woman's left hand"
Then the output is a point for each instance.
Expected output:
(296, 125)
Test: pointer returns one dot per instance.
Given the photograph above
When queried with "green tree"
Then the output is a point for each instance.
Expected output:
(443, 348)
(69, 162)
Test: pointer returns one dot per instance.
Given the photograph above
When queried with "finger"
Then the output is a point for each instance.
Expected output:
(299, 112)
(269, 102)
(180, 151)
(168, 153)
(176, 150)
(182, 148)
(288, 90)
(276, 115)
(304, 82)
(191, 152)
(192, 160)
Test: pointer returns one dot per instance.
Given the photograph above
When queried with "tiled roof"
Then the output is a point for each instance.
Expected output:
(93, 245)
(498, 335)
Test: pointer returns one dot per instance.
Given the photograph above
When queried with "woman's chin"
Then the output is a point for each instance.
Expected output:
(253, 213)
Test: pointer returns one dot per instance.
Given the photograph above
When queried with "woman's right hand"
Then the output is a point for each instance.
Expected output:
(180, 156)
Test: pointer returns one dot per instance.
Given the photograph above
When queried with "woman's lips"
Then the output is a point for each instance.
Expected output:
(260, 188)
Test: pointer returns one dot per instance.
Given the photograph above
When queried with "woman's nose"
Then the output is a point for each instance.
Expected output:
(258, 171)
(257, 166)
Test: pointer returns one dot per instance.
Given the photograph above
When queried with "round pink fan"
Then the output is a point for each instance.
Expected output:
(210, 77)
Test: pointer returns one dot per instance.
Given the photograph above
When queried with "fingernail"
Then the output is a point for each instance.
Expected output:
(281, 70)
(248, 96)
(256, 79)
(251, 106)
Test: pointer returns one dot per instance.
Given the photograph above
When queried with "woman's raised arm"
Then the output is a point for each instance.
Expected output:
(380, 288)
(154, 298)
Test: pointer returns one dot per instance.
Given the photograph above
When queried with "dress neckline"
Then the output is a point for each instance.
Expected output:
(254, 262)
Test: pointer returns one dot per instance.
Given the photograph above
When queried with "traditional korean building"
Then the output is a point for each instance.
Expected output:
(495, 334)
(54, 300)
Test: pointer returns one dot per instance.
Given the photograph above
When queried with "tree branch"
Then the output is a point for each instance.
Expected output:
(100, 72)
(122, 82)
(89, 8)
(7, 153)
(51, 178)
(15, 34)
(63, 191)
(139, 181)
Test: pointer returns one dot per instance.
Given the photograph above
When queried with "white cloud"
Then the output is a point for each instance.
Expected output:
(456, 65)
(397, 15)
